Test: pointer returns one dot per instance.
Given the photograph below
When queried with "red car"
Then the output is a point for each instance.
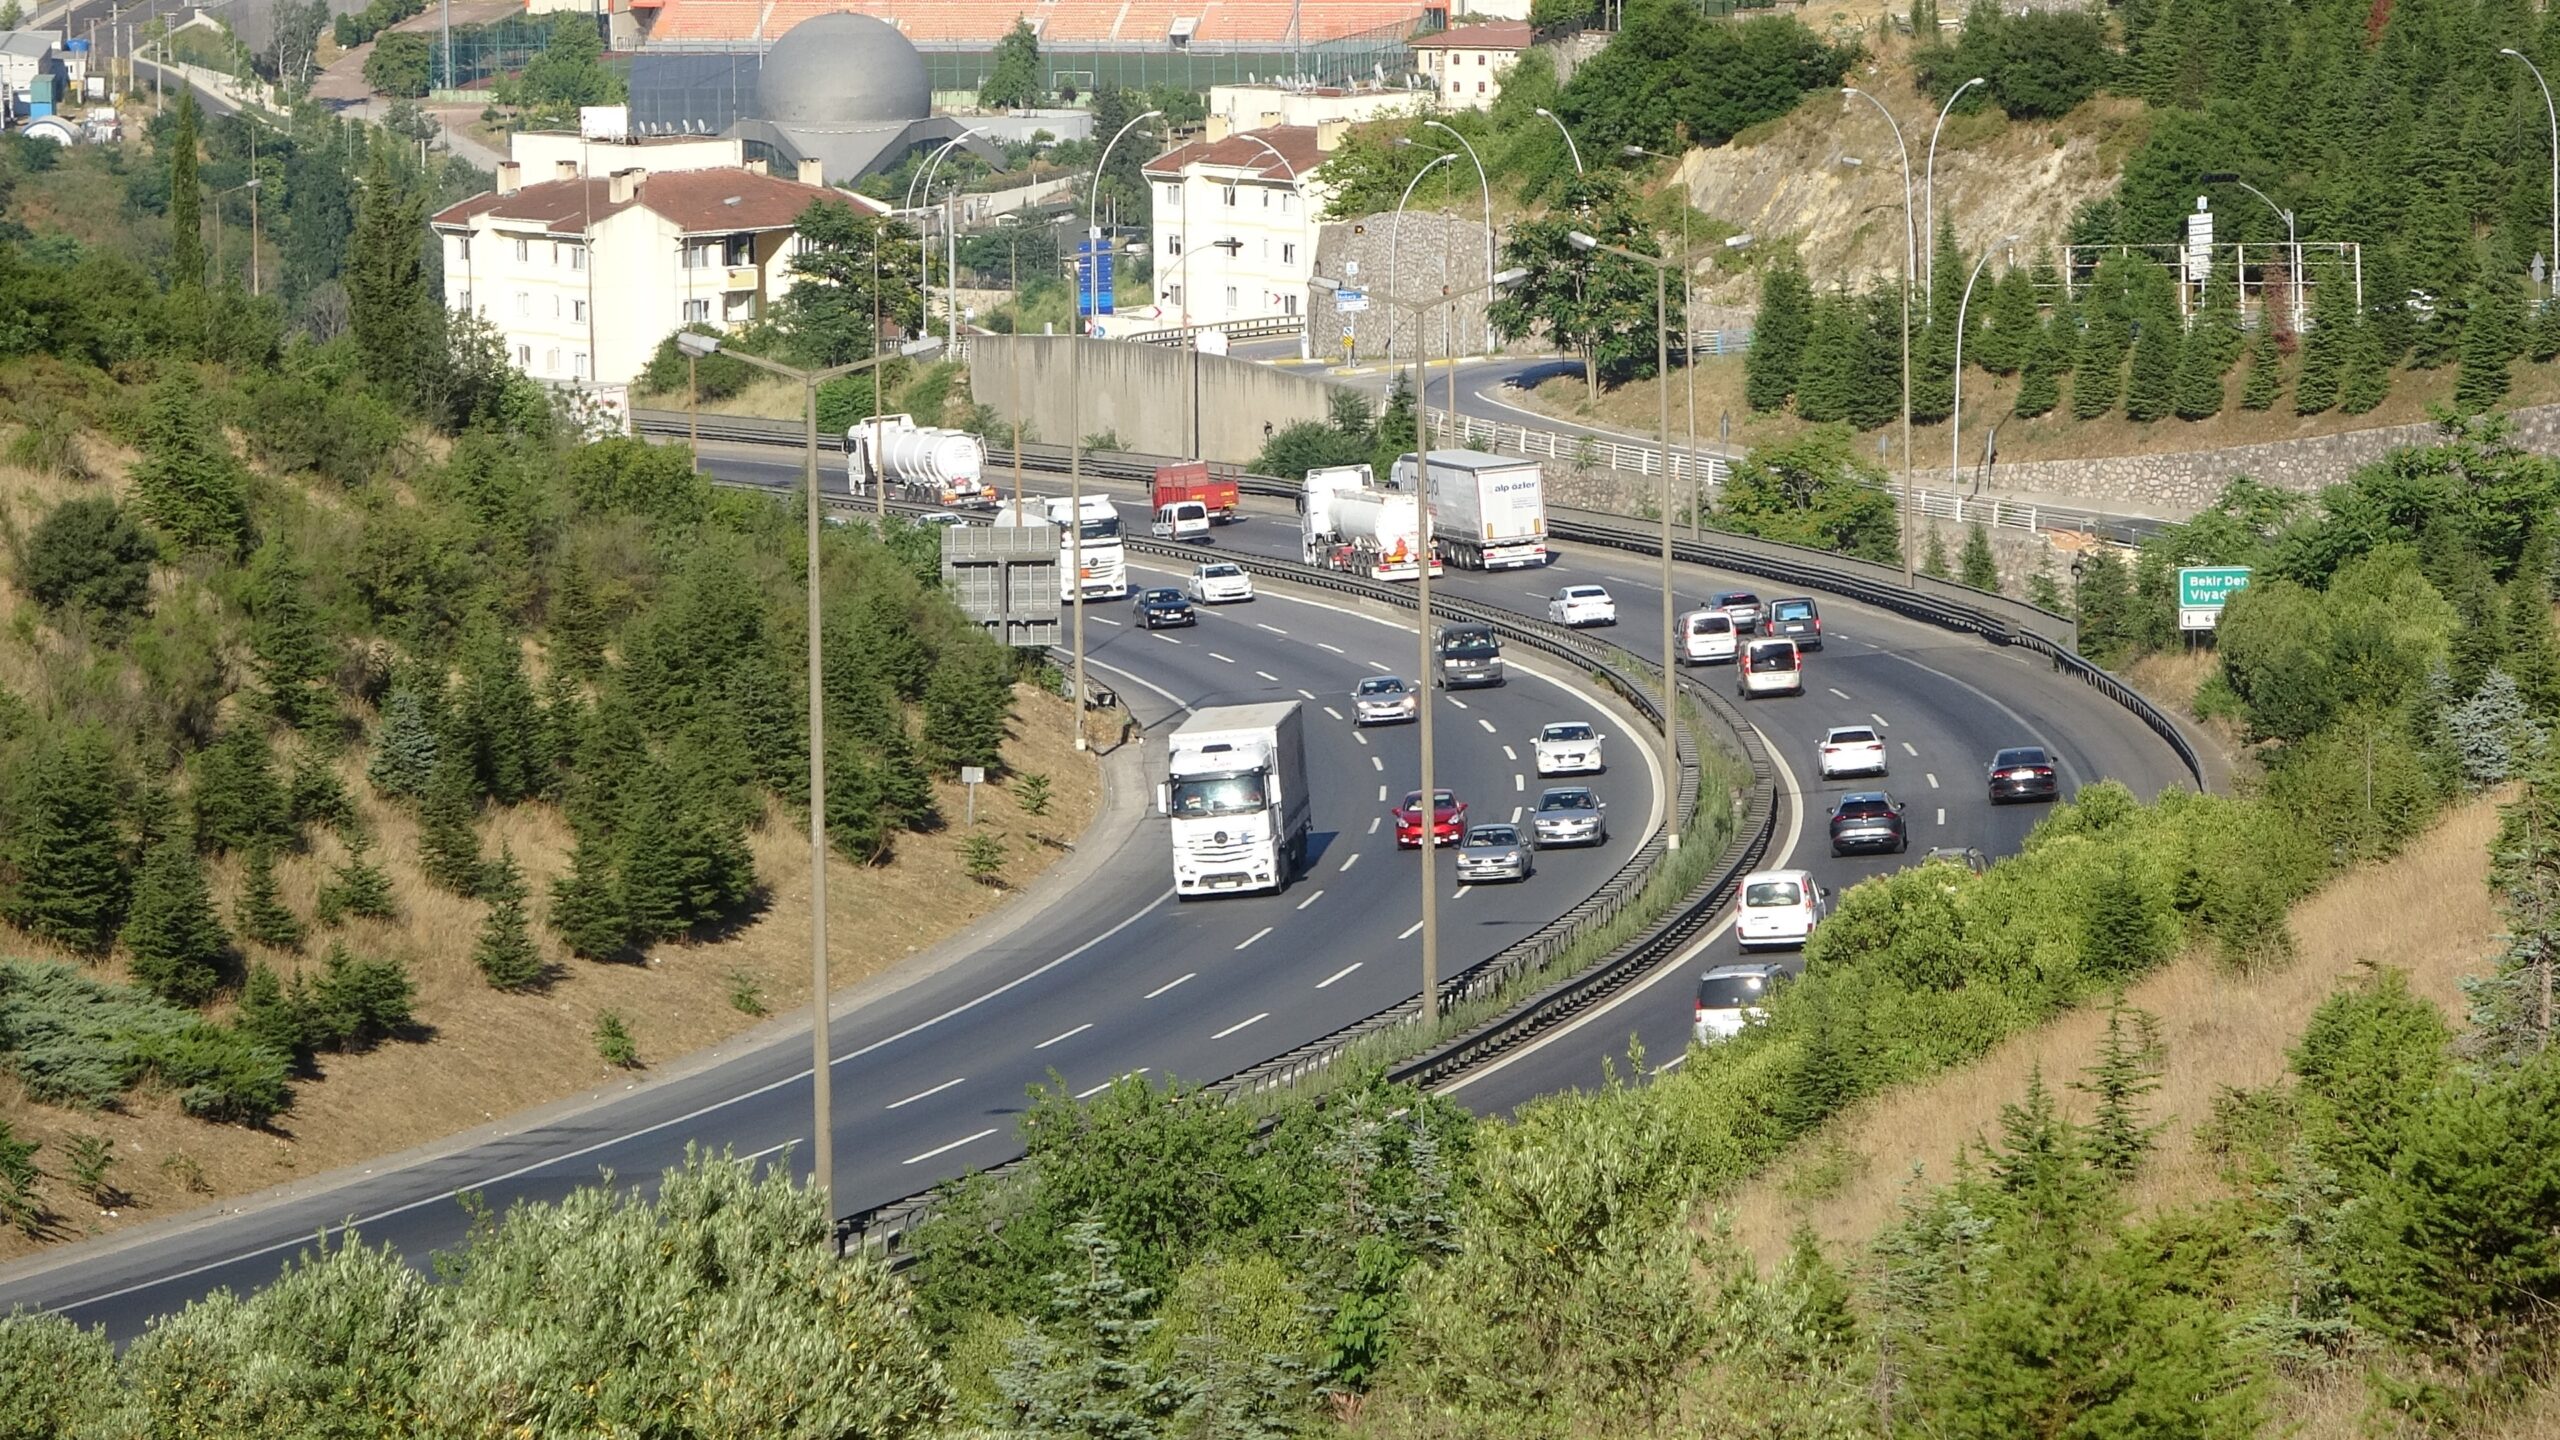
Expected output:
(1448, 820)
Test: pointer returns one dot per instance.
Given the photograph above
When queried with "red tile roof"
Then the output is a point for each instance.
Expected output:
(1492, 35)
(1296, 142)
(697, 202)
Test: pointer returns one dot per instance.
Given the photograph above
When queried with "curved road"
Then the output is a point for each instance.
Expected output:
(1113, 977)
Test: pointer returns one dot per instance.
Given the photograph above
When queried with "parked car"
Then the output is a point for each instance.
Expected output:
(1706, 636)
(1868, 822)
(1741, 607)
(2023, 772)
(1580, 605)
(1768, 667)
(1493, 852)
(1218, 582)
(1852, 750)
(1797, 618)
(1162, 606)
(1777, 909)
(1569, 747)
(1569, 815)
(1730, 997)
(1964, 855)
(1448, 819)
(1384, 700)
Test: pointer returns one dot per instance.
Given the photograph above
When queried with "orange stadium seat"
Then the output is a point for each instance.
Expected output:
(1133, 24)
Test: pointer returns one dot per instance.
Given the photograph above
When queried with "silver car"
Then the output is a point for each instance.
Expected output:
(1493, 852)
(1570, 815)
(1384, 700)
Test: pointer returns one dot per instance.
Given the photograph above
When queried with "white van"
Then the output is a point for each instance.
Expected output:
(1777, 909)
(1769, 667)
(1181, 520)
(1706, 636)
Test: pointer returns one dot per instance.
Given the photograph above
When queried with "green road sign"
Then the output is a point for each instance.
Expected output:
(2208, 586)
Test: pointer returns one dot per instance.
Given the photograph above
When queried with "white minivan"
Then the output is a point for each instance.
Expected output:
(1706, 636)
(1769, 667)
(1778, 909)
(1181, 520)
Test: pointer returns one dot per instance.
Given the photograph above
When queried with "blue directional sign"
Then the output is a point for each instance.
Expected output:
(1093, 277)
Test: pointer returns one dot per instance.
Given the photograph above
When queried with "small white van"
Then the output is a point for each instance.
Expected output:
(1769, 667)
(1777, 909)
(1181, 520)
(1706, 636)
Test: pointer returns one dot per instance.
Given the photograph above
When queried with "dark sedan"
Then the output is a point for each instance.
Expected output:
(2023, 772)
(1163, 606)
(1798, 619)
(1868, 822)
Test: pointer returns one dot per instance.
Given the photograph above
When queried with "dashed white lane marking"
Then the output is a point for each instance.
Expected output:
(1274, 629)
(1214, 655)
(1379, 763)
(1107, 1084)
(1520, 783)
(1454, 700)
(1907, 749)
(1374, 822)
(1510, 754)
(1256, 935)
(1515, 814)
(919, 1095)
(1069, 1035)
(1267, 675)
(1942, 817)
(1336, 714)
(1381, 669)
(1411, 930)
(1336, 649)
(1361, 736)
(1870, 644)
(1169, 984)
(1933, 781)
(1461, 893)
(947, 1149)
(1239, 1025)
(1836, 690)
(1169, 640)
(1382, 792)
(1880, 720)
(1338, 974)
(769, 1149)
(1310, 900)
(1354, 857)
(1310, 694)
(1535, 594)
(1100, 620)
(1487, 724)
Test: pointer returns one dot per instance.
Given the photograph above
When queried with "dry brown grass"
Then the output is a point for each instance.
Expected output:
(2426, 912)
(493, 1054)
(2172, 678)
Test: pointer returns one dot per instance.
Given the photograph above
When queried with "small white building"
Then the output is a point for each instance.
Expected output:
(1464, 66)
(1260, 107)
(584, 275)
(1235, 221)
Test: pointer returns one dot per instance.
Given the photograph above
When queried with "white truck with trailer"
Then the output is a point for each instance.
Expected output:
(1488, 512)
(1347, 523)
(927, 463)
(1236, 792)
(1106, 564)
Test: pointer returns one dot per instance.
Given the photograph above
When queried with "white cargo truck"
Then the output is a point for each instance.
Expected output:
(1106, 564)
(1488, 512)
(1348, 524)
(926, 463)
(1236, 792)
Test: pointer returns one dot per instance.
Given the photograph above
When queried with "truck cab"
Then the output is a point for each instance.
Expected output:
(1466, 656)
(1236, 796)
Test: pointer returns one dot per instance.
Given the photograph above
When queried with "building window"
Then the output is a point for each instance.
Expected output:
(1173, 194)
(524, 250)
(1173, 246)
(1479, 63)
(1231, 194)
(466, 247)
(551, 362)
(1266, 199)
(524, 357)
(524, 307)
(1289, 304)
(577, 257)
(739, 250)
(1479, 90)
(1288, 253)
(697, 312)
(578, 311)
(578, 365)
(1231, 309)
(701, 254)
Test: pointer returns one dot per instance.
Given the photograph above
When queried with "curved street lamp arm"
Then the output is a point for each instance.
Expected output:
(1929, 179)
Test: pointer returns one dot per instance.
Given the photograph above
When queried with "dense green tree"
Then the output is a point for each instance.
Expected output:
(1085, 1371)
(1013, 71)
(239, 803)
(86, 556)
(186, 198)
(2333, 319)
(67, 872)
(2127, 1067)
(397, 321)
(2213, 342)
(498, 712)
(1587, 303)
(1978, 568)
(2510, 1018)
(569, 73)
(402, 64)
(1933, 357)
(2102, 598)
(357, 887)
(2009, 334)
(260, 913)
(405, 749)
(1933, 557)
(2097, 366)
(2492, 337)
(587, 912)
(1877, 398)
(505, 951)
(851, 267)
(2048, 359)
(1827, 379)
(357, 1003)
(188, 483)
(1812, 491)
(1779, 335)
(2367, 1063)
(2363, 375)
(2258, 390)
(176, 940)
(286, 634)
(2151, 392)
(448, 842)
(966, 706)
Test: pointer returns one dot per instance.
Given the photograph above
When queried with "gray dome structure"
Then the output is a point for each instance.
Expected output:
(843, 71)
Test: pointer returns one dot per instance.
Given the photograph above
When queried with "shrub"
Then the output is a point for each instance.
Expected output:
(614, 1044)
(260, 912)
(239, 803)
(72, 1040)
(70, 875)
(220, 1074)
(86, 555)
(746, 993)
(358, 887)
(177, 940)
(357, 1002)
(505, 953)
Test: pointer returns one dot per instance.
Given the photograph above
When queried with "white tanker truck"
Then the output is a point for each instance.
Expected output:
(926, 463)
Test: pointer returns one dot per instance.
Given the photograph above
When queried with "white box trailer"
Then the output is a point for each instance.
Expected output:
(1488, 512)
(1236, 793)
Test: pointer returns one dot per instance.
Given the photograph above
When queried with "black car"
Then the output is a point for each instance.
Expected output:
(1163, 606)
(2023, 772)
(1868, 822)
(1797, 618)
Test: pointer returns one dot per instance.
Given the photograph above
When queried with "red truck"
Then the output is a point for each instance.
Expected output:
(1192, 481)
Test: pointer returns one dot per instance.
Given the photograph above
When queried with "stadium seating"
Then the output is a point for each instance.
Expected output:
(1133, 24)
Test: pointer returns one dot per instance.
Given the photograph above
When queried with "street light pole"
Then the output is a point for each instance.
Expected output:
(1929, 188)
(1395, 248)
(1570, 148)
(1955, 416)
(1910, 262)
(2293, 247)
(821, 1077)
(2551, 114)
(1487, 186)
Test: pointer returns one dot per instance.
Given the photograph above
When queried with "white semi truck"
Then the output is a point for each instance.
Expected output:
(1106, 565)
(927, 463)
(1236, 790)
(1347, 523)
(1488, 512)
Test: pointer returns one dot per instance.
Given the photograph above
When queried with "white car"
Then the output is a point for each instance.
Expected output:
(1580, 605)
(1778, 909)
(1569, 747)
(1768, 667)
(942, 518)
(1732, 997)
(1219, 582)
(1852, 750)
(1706, 636)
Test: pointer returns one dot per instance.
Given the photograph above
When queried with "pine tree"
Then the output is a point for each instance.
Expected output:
(586, 905)
(239, 803)
(2544, 343)
(2048, 360)
(651, 863)
(1933, 557)
(398, 324)
(2491, 339)
(1827, 377)
(564, 718)
(499, 714)
(2364, 377)
(1085, 1370)
(404, 747)
(2039, 1148)
(62, 844)
(260, 913)
(1779, 336)
(2127, 1068)
(506, 954)
(357, 887)
(448, 845)
(2258, 391)
(2531, 655)
(2213, 342)
(285, 633)
(2511, 1007)
(188, 483)
(578, 622)
(358, 1002)
(2152, 391)
(274, 1017)
(2097, 372)
(1978, 567)
(2010, 337)
(176, 939)
(186, 199)
(2493, 734)
(966, 707)
(1933, 365)
(2324, 350)
(1877, 398)
(2120, 936)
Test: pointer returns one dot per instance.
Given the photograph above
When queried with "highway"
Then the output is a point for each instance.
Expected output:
(1111, 976)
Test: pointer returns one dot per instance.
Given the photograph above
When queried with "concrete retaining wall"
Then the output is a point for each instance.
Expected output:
(1141, 393)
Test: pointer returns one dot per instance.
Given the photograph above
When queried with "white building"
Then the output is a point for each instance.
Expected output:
(1259, 107)
(1235, 221)
(584, 275)
(1465, 66)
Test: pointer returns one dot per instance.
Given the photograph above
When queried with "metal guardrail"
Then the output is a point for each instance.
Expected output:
(1257, 328)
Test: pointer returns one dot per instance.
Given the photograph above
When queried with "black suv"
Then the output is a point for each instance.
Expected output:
(2023, 772)
(1798, 619)
(1163, 606)
(1467, 655)
(1868, 822)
